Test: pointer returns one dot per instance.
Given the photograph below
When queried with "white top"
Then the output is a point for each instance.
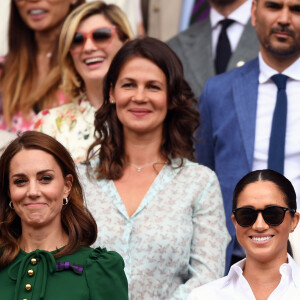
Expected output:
(177, 238)
(234, 286)
(241, 17)
(267, 93)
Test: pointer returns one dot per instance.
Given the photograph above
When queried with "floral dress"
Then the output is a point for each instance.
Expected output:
(71, 124)
(20, 123)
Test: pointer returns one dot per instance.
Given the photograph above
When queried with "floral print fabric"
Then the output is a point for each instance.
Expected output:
(20, 123)
(177, 238)
(71, 124)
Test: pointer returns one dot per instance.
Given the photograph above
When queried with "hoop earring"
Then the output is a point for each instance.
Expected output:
(65, 201)
(11, 205)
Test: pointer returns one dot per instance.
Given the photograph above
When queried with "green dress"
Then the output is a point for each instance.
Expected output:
(94, 274)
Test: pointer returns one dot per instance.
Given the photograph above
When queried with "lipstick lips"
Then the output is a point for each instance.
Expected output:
(140, 112)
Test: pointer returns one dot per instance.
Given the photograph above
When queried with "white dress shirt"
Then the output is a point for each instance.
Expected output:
(234, 286)
(267, 92)
(234, 32)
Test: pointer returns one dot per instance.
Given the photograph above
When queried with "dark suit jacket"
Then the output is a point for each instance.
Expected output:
(228, 111)
(194, 48)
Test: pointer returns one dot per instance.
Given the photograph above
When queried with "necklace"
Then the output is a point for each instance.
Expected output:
(139, 169)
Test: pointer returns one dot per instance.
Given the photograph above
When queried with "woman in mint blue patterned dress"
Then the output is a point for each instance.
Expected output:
(162, 212)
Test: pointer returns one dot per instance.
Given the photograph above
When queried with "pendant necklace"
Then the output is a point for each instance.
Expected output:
(139, 169)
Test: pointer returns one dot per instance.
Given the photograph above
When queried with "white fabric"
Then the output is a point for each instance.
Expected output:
(241, 17)
(234, 286)
(267, 92)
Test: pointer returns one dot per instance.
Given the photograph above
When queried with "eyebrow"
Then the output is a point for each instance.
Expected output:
(38, 173)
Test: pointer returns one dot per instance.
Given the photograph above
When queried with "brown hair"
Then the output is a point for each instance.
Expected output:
(179, 125)
(72, 82)
(20, 70)
(76, 219)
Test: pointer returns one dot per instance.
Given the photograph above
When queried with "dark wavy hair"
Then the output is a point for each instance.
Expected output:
(77, 221)
(283, 184)
(179, 125)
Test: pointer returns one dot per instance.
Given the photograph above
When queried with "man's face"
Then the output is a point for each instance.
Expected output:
(277, 24)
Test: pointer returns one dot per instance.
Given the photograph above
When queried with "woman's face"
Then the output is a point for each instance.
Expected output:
(263, 242)
(140, 96)
(43, 15)
(37, 188)
(93, 59)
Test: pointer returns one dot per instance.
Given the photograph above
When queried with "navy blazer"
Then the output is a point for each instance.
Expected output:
(228, 112)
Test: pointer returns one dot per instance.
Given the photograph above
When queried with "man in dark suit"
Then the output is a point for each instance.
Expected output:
(196, 47)
(238, 107)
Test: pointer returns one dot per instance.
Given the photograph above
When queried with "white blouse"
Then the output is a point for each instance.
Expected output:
(234, 286)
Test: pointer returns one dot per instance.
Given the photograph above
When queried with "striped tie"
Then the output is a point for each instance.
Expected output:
(200, 11)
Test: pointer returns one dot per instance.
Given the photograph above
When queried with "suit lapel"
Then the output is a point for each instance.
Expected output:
(198, 53)
(245, 91)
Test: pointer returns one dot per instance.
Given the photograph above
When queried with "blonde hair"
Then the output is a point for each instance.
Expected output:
(20, 71)
(72, 83)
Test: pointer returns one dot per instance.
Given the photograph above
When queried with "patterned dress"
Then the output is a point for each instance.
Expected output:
(71, 124)
(177, 238)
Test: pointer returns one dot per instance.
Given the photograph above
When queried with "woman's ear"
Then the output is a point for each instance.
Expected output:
(111, 95)
(233, 220)
(68, 185)
(295, 221)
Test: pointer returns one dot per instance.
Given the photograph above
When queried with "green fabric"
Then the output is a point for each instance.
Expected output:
(103, 277)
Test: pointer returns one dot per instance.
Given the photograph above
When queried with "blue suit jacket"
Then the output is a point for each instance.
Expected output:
(228, 111)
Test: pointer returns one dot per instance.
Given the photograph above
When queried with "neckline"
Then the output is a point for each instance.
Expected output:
(52, 252)
(146, 199)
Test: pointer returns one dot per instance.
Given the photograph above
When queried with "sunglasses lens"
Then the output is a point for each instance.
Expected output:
(101, 35)
(78, 39)
(245, 216)
(273, 215)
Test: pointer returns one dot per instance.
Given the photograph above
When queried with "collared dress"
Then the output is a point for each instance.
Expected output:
(176, 239)
(234, 286)
(88, 274)
(71, 124)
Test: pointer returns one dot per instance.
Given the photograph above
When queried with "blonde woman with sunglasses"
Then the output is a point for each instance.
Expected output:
(90, 38)
(30, 81)
(264, 214)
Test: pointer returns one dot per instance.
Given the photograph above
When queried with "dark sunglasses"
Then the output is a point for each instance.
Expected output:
(273, 215)
(100, 36)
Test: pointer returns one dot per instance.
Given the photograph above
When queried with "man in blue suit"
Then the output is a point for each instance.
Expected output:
(237, 107)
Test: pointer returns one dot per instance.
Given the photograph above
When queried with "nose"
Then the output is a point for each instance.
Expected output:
(260, 224)
(33, 190)
(89, 45)
(284, 16)
(140, 95)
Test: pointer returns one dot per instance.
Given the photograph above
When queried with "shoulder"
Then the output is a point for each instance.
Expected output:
(192, 33)
(196, 173)
(89, 256)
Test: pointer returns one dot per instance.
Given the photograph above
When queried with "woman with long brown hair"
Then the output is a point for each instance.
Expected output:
(46, 230)
(31, 77)
(150, 201)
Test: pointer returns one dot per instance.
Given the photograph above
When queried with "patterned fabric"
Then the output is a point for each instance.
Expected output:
(176, 239)
(62, 266)
(71, 124)
(20, 123)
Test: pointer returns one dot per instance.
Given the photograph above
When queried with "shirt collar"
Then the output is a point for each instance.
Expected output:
(240, 15)
(266, 72)
(290, 268)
